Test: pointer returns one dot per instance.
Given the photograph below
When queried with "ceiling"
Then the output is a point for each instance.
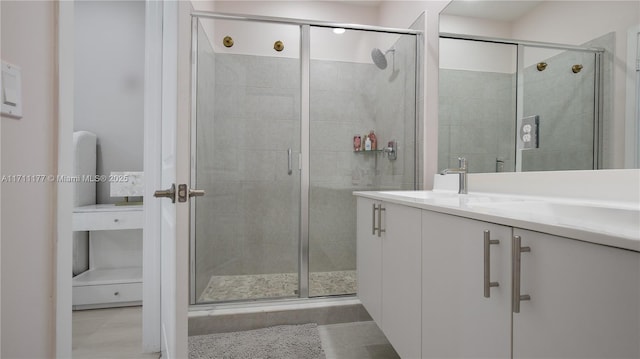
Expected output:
(506, 11)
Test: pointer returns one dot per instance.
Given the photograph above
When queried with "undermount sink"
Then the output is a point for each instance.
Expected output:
(438, 198)
(451, 198)
(421, 194)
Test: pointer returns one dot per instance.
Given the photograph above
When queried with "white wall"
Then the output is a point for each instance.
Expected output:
(29, 147)
(109, 78)
(476, 56)
(403, 14)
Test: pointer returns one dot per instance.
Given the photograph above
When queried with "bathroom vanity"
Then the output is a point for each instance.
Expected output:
(491, 275)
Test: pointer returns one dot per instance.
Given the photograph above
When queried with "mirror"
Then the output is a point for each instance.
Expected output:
(510, 100)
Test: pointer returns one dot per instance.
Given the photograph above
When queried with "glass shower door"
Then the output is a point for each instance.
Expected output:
(360, 81)
(246, 143)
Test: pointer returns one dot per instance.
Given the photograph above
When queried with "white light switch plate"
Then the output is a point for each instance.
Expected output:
(11, 91)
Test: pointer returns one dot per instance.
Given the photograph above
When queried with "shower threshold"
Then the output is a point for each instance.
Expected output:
(238, 316)
(274, 285)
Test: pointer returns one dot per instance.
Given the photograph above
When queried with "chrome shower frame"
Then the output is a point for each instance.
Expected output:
(305, 58)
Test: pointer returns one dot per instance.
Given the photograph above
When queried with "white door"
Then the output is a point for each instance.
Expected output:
(584, 300)
(165, 259)
(401, 278)
(458, 319)
(369, 259)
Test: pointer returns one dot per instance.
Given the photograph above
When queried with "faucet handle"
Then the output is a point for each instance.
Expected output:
(462, 163)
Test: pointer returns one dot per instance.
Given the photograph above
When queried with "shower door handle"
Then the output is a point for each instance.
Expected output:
(290, 169)
(184, 192)
(196, 192)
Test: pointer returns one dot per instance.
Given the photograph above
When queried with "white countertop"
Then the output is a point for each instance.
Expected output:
(609, 223)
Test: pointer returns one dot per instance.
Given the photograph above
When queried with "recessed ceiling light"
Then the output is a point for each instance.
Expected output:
(338, 30)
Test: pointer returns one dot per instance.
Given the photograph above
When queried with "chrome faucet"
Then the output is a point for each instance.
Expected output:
(462, 174)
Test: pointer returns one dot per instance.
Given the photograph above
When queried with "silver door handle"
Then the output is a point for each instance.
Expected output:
(380, 230)
(487, 264)
(290, 171)
(196, 192)
(167, 193)
(185, 192)
(517, 250)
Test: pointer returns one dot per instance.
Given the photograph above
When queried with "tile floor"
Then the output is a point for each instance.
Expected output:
(108, 333)
(117, 333)
(358, 340)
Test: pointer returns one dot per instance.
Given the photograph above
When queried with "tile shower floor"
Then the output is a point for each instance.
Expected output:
(252, 286)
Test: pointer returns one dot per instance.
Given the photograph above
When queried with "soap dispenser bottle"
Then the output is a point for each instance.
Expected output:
(374, 140)
(367, 143)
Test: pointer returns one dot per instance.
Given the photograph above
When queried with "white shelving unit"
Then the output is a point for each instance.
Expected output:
(114, 277)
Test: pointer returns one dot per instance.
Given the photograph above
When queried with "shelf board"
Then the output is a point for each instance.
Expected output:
(92, 208)
(102, 276)
(371, 151)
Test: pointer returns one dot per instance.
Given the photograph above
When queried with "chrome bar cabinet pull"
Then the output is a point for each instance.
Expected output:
(373, 220)
(290, 168)
(517, 250)
(488, 284)
(380, 229)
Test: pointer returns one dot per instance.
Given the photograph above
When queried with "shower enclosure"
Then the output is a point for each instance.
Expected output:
(277, 106)
(519, 106)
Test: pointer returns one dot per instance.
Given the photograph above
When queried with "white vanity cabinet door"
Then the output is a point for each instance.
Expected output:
(457, 320)
(389, 276)
(401, 278)
(369, 260)
(585, 300)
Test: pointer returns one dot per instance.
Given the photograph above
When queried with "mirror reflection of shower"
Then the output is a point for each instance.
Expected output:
(486, 94)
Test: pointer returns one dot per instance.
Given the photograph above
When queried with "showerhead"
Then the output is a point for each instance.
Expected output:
(379, 58)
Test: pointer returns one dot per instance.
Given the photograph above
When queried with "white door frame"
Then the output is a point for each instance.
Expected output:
(152, 167)
(151, 333)
(175, 169)
(64, 206)
(632, 127)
